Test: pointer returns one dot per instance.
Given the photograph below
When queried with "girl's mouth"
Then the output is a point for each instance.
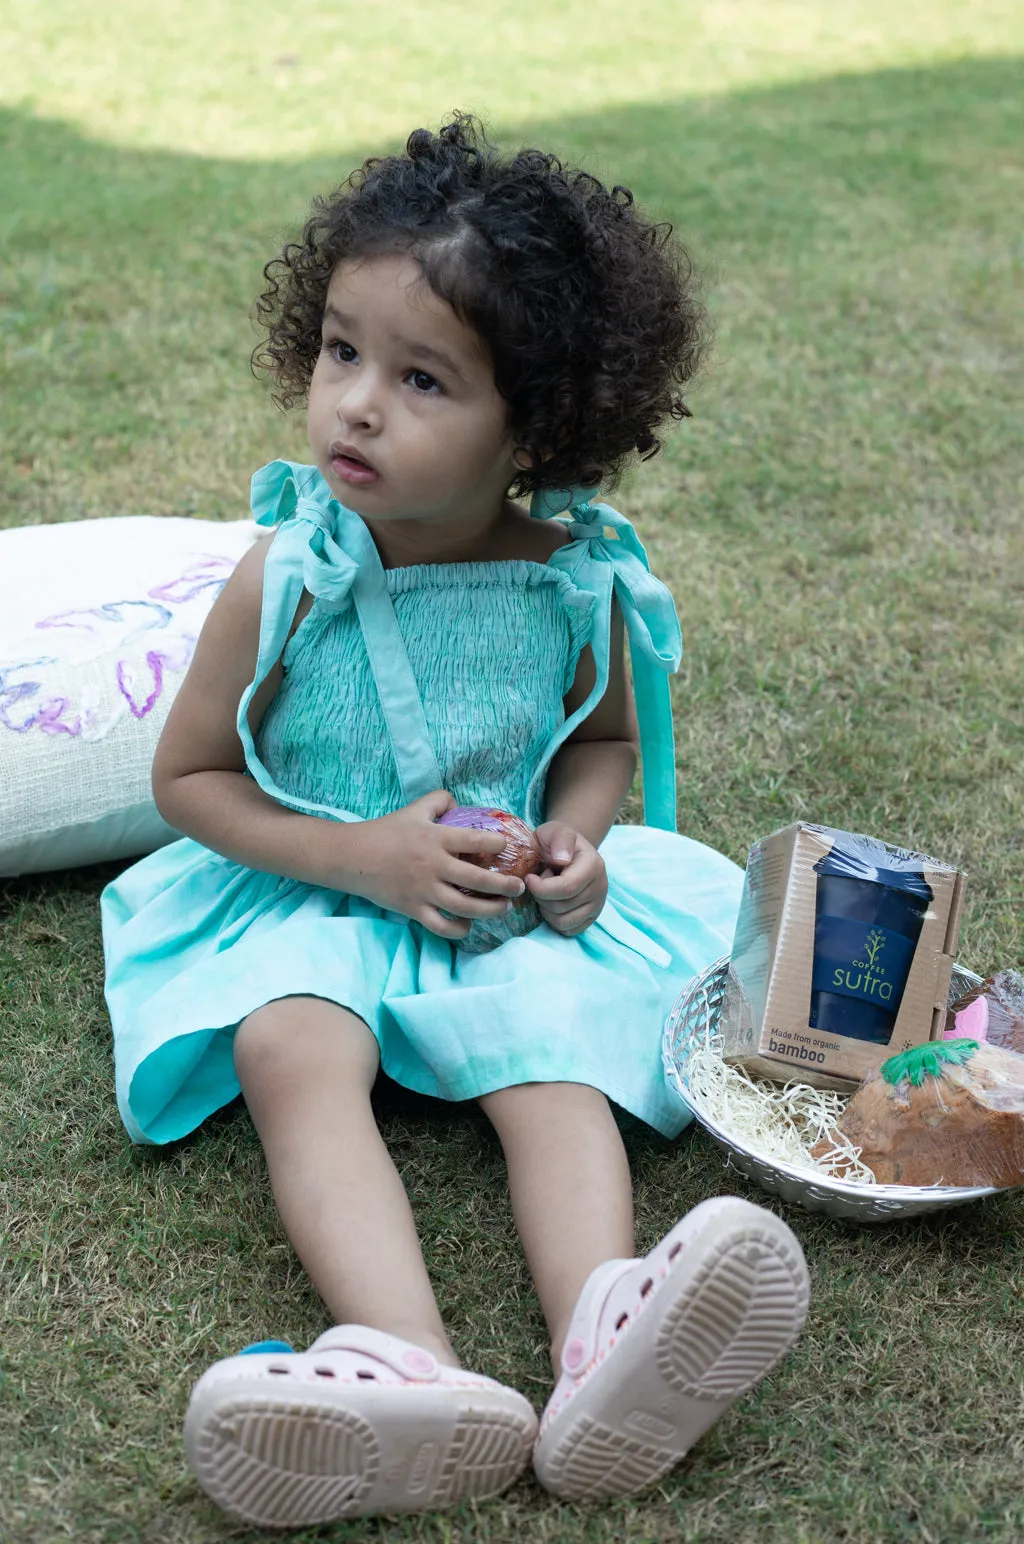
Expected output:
(350, 468)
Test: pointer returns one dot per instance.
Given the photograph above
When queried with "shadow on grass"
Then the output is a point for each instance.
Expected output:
(127, 274)
(723, 165)
(94, 237)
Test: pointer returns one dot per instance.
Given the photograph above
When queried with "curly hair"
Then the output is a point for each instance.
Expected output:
(589, 311)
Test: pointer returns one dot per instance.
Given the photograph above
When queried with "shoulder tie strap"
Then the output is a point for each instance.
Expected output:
(618, 561)
(326, 549)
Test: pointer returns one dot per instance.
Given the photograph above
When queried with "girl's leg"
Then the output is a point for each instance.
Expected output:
(363, 1422)
(572, 1196)
(660, 1347)
(306, 1068)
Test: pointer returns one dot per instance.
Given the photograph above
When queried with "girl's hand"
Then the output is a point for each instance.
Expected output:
(405, 862)
(572, 889)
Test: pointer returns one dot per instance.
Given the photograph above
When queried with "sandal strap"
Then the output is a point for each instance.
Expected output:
(407, 1360)
(584, 1333)
(258, 1347)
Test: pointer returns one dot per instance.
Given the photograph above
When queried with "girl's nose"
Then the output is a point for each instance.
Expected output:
(359, 402)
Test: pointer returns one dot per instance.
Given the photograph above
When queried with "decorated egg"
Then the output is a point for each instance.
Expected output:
(520, 854)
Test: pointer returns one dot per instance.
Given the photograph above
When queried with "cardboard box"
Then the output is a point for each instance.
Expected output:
(779, 994)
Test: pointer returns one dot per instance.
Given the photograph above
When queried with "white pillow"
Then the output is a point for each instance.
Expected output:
(98, 621)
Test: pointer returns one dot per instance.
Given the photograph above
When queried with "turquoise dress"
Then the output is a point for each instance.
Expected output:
(396, 683)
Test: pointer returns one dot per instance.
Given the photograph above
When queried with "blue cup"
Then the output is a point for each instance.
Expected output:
(871, 902)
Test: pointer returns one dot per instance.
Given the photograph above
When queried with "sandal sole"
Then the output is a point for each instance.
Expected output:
(706, 1337)
(315, 1457)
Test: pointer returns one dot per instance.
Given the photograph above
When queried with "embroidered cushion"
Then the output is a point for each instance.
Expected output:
(98, 621)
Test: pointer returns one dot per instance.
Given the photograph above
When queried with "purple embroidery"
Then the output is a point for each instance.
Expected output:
(156, 665)
(158, 661)
(14, 693)
(49, 718)
(212, 573)
(113, 611)
(54, 715)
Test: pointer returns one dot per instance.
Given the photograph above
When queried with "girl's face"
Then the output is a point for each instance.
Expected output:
(404, 419)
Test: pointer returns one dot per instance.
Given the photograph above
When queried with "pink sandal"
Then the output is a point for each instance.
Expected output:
(361, 1423)
(659, 1348)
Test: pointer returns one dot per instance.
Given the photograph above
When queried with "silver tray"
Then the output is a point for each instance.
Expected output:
(693, 1018)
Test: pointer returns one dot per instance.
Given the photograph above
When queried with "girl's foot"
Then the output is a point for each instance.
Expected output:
(659, 1348)
(360, 1423)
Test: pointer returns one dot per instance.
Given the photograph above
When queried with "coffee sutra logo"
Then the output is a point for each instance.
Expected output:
(866, 977)
(861, 960)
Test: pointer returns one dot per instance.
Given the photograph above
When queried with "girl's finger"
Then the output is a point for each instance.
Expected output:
(461, 905)
(433, 804)
(468, 839)
(558, 842)
(562, 909)
(445, 927)
(577, 921)
(567, 887)
(469, 877)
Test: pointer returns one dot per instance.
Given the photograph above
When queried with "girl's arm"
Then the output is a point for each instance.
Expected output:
(198, 771)
(587, 782)
(403, 862)
(593, 771)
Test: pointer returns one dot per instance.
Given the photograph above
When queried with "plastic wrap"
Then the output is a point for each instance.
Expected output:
(520, 856)
(871, 902)
(950, 1112)
(992, 1011)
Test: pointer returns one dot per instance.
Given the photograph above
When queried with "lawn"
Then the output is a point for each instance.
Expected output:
(841, 525)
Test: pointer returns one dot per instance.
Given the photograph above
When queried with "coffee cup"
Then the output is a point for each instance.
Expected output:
(870, 905)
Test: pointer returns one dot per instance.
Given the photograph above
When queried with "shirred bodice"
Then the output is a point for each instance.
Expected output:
(493, 648)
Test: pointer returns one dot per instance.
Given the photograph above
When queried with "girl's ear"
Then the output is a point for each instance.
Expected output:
(524, 461)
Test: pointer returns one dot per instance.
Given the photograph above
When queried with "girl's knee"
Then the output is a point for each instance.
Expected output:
(295, 1038)
(563, 1103)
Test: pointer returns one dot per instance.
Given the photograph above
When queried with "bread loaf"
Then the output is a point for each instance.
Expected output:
(945, 1113)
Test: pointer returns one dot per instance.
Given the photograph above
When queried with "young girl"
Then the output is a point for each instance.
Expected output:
(465, 329)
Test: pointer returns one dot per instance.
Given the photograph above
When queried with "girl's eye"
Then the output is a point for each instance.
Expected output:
(343, 352)
(424, 382)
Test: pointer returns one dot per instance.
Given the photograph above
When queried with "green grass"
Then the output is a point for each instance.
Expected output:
(841, 525)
